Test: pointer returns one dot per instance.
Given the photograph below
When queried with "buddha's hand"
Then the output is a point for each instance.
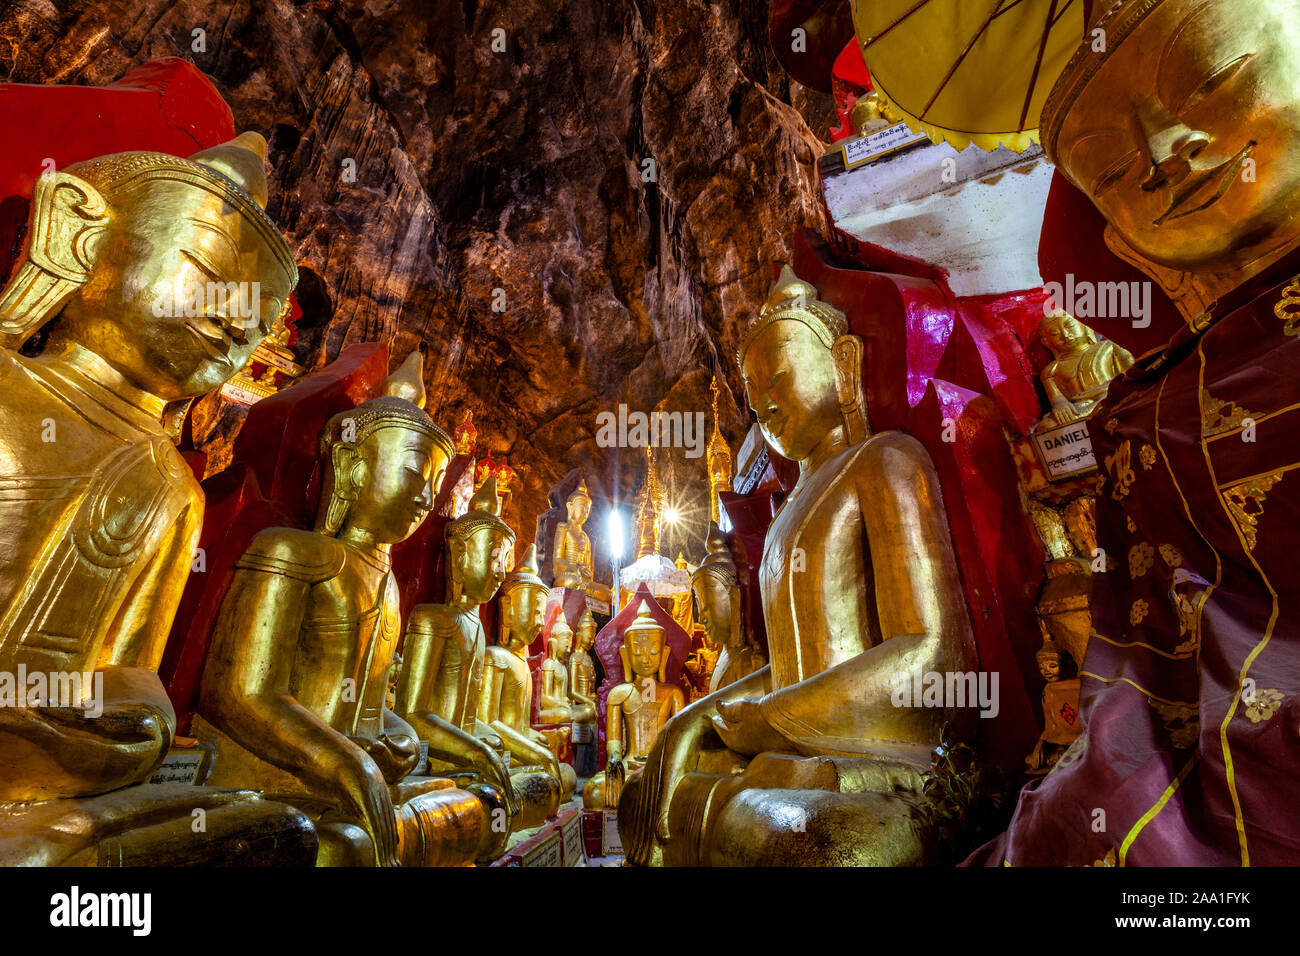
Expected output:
(744, 729)
(394, 754)
(1064, 410)
(365, 792)
(614, 776)
(79, 750)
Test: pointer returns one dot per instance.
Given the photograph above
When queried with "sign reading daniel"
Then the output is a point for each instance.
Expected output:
(1066, 450)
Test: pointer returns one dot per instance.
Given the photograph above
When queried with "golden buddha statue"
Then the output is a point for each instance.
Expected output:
(465, 437)
(635, 710)
(293, 692)
(582, 671)
(443, 674)
(505, 704)
(571, 557)
(556, 707)
(870, 114)
(101, 514)
(823, 760)
(1060, 711)
(1078, 376)
(717, 596)
(718, 458)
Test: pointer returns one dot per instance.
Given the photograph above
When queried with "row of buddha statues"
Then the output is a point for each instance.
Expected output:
(314, 754)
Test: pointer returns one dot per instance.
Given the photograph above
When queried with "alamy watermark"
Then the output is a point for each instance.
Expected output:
(23, 688)
(237, 304)
(949, 690)
(1100, 300)
(626, 429)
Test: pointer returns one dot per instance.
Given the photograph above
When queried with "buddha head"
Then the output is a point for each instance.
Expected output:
(645, 648)
(479, 546)
(578, 506)
(1063, 334)
(585, 638)
(802, 370)
(717, 592)
(523, 602)
(560, 643)
(384, 462)
(1185, 133)
(1052, 661)
(166, 268)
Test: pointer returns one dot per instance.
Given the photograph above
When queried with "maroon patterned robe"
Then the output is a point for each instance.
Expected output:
(1190, 753)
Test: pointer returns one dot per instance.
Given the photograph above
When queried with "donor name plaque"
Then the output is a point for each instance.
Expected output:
(877, 145)
(1066, 450)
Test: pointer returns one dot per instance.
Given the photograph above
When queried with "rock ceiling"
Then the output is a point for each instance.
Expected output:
(502, 146)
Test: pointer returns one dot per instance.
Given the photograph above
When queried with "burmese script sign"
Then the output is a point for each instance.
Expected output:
(182, 765)
(876, 145)
(1066, 450)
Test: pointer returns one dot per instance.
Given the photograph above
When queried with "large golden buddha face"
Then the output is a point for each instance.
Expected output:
(403, 470)
(645, 648)
(481, 562)
(1187, 139)
(713, 603)
(174, 248)
(523, 609)
(790, 384)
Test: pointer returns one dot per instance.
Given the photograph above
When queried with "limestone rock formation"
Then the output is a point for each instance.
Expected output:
(572, 205)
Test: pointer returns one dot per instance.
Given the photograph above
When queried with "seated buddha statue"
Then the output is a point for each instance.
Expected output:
(1081, 368)
(445, 672)
(293, 692)
(808, 761)
(556, 705)
(571, 555)
(717, 597)
(101, 515)
(1060, 710)
(582, 670)
(635, 710)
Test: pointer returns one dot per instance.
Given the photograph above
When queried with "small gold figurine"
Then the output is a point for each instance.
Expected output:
(1060, 710)
(582, 671)
(571, 559)
(135, 254)
(636, 710)
(293, 692)
(1081, 369)
(556, 707)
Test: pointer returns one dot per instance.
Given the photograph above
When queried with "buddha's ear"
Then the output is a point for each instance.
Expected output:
(663, 662)
(68, 217)
(847, 355)
(627, 665)
(341, 489)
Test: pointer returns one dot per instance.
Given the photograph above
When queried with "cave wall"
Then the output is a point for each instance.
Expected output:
(432, 160)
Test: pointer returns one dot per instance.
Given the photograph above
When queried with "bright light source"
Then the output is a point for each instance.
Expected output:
(614, 532)
(671, 515)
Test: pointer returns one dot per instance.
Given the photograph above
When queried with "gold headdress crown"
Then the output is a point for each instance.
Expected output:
(401, 404)
(580, 492)
(484, 508)
(524, 573)
(717, 563)
(644, 622)
(235, 170)
(1117, 21)
(792, 298)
